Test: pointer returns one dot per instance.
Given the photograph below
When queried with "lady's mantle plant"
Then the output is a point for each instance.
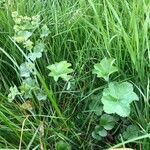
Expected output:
(106, 123)
(116, 97)
(60, 70)
(105, 68)
(24, 28)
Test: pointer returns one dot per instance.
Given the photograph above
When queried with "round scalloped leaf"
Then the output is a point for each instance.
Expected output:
(132, 131)
(96, 136)
(60, 70)
(45, 31)
(107, 121)
(13, 93)
(102, 133)
(117, 98)
(105, 68)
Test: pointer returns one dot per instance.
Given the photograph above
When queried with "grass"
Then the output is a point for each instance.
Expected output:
(82, 32)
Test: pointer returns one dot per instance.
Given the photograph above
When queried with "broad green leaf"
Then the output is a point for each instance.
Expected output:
(13, 93)
(61, 145)
(117, 98)
(96, 136)
(22, 36)
(132, 131)
(24, 72)
(35, 20)
(28, 45)
(99, 132)
(40, 95)
(102, 133)
(26, 68)
(27, 87)
(37, 52)
(14, 14)
(33, 56)
(45, 31)
(39, 47)
(105, 68)
(107, 121)
(60, 70)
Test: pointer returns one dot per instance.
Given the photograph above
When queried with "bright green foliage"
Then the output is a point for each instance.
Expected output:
(28, 45)
(105, 68)
(132, 131)
(80, 32)
(107, 121)
(37, 51)
(99, 132)
(40, 94)
(45, 31)
(60, 70)
(22, 36)
(13, 93)
(26, 69)
(24, 22)
(26, 87)
(95, 134)
(24, 28)
(96, 105)
(29, 86)
(61, 145)
(118, 97)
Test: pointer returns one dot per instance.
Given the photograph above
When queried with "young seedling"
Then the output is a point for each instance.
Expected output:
(132, 131)
(106, 123)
